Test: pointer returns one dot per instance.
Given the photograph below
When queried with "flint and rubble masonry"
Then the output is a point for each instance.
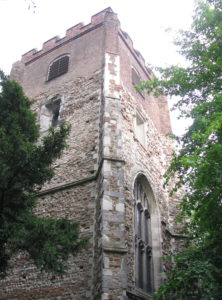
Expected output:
(95, 176)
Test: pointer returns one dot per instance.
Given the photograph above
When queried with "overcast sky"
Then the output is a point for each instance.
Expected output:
(145, 21)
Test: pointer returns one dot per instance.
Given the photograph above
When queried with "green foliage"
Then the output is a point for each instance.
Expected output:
(197, 273)
(25, 164)
(195, 276)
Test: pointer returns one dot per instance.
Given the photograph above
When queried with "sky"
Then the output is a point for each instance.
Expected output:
(146, 21)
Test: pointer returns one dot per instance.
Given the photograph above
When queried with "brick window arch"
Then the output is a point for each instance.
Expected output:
(58, 67)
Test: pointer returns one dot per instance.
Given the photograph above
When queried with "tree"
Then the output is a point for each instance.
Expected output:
(25, 164)
(197, 273)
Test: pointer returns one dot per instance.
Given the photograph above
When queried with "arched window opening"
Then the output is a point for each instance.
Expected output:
(143, 239)
(58, 67)
(54, 108)
(50, 114)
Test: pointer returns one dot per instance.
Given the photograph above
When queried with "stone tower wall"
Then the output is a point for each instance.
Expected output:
(95, 176)
(70, 194)
(72, 191)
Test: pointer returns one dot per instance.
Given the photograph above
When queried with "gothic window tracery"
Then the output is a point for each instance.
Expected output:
(143, 239)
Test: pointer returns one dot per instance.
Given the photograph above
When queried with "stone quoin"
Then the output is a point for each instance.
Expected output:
(110, 179)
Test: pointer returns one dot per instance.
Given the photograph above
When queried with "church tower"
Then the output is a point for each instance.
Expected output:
(110, 179)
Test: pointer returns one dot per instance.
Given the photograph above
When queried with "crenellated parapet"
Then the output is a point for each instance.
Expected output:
(79, 30)
(71, 33)
(129, 42)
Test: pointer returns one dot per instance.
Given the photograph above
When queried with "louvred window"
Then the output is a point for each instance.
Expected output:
(58, 67)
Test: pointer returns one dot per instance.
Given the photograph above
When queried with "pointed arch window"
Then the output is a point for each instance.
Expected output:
(143, 240)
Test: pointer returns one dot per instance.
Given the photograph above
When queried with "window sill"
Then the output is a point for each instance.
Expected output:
(137, 294)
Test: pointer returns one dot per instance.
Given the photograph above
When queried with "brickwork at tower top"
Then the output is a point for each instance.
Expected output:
(80, 29)
(86, 45)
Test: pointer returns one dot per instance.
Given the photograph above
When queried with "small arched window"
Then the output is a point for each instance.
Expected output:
(143, 239)
(50, 113)
(58, 67)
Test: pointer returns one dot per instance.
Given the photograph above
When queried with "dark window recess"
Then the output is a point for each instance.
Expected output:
(143, 242)
(136, 80)
(54, 108)
(135, 77)
(58, 67)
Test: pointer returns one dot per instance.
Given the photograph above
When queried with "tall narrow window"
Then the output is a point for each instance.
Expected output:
(54, 108)
(58, 67)
(136, 78)
(140, 129)
(143, 239)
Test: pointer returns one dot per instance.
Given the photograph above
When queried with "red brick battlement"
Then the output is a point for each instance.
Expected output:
(78, 30)
(127, 39)
(71, 33)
